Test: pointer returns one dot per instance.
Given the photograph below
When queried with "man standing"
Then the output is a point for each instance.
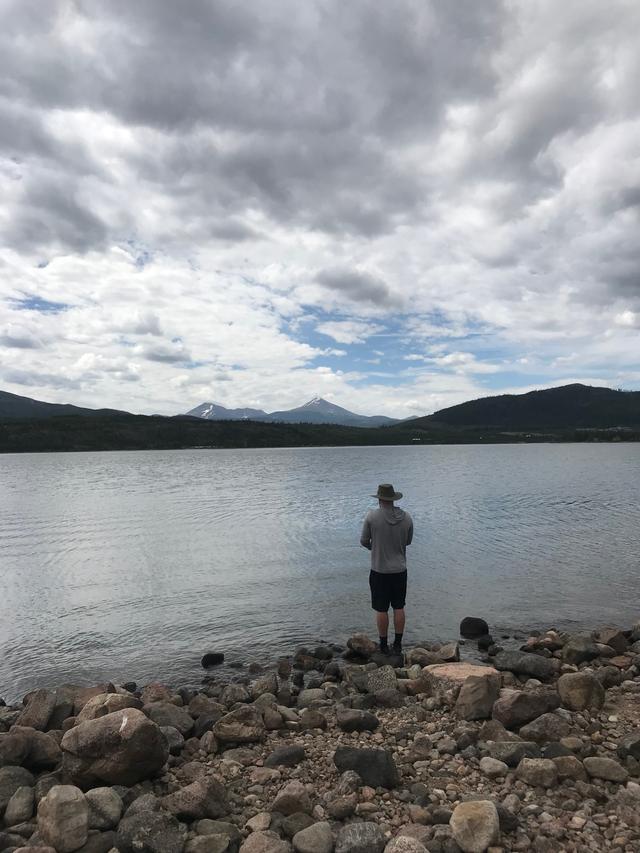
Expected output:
(386, 533)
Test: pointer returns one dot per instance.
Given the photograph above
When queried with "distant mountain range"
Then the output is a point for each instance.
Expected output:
(316, 411)
(567, 407)
(14, 406)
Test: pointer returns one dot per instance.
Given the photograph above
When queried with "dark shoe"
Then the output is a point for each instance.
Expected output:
(397, 648)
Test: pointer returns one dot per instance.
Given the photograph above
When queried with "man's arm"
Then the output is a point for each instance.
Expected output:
(365, 536)
(410, 532)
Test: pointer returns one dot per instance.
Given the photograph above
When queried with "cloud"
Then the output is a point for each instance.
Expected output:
(183, 198)
(347, 331)
(359, 286)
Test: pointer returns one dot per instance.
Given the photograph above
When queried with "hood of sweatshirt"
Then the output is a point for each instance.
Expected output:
(393, 515)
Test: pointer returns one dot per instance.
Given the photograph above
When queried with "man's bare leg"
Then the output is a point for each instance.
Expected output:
(382, 623)
(398, 627)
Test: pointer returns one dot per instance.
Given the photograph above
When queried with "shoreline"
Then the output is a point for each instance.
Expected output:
(344, 750)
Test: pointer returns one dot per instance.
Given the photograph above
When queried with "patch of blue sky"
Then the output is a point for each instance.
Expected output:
(33, 302)
(140, 254)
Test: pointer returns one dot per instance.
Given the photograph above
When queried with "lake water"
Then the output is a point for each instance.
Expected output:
(131, 565)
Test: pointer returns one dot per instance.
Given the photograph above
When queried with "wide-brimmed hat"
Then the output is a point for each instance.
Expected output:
(386, 492)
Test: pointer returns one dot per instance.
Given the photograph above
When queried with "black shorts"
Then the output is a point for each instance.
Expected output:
(388, 589)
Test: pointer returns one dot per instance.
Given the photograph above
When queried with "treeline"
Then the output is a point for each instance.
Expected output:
(139, 432)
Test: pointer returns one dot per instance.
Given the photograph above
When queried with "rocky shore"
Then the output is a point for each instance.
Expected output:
(343, 750)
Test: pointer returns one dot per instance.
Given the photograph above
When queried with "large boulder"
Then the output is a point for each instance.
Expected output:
(63, 818)
(244, 725)
(475, 826)
(516, 708)
(375, 767)
(38, 710)
(477, 696)
(581, 690)
(107, 703)
(121, 748)
(526, 663)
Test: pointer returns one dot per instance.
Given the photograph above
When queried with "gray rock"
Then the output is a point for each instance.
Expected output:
(473, 627)
(168, 714)
(204, 798)
(120, 749)
(477, 697)
(63, 818)
(39, 708)
(310, 695)
(525, 663)
(405, 844)
(294, 823)
(630, 745)
(580, 649)
(14, 748)
(475, 826)
(605, 768)
(547, 727)
(107, 703)
(389, 697)
(520, 707)
(351, 720)
(511, 752)
(44, 753)
(150, 832)
(493, 768)
(615, 638)
(267, 683)
(292, 798)
(361, 645)
(12, 778)
(375, 767)
(348, 783)
(363, 837)
(286, 756)
(20, 806)
(175, 741)
(234, 693)
(265, 842)
(580, 690)
(245, 725)
(105, 808)
(211, 844)
(570, 767)
(539, 772)
(316, 838)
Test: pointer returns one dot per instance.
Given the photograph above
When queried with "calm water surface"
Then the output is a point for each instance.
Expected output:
(131, 565)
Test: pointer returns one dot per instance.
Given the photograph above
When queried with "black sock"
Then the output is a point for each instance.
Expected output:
(398, 640)
(384, 644)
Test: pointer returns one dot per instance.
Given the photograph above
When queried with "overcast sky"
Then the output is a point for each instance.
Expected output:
(397, 206)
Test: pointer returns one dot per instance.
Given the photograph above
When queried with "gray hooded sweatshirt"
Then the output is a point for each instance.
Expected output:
(386, 533)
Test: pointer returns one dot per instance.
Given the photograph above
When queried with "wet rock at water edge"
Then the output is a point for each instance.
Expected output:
(473, 627)
(211, 659)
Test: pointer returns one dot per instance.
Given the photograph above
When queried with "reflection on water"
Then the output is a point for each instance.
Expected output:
(130, 565)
